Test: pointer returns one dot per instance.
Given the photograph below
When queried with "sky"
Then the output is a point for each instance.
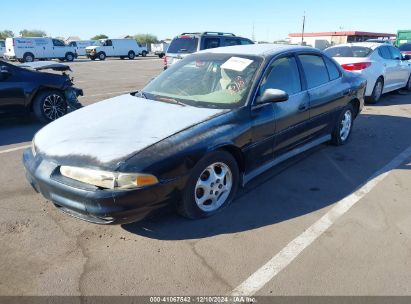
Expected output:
(272, 20)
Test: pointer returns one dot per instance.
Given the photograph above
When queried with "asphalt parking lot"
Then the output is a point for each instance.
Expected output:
(334, 221)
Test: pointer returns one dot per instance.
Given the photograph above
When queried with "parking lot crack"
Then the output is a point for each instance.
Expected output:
(213, 272)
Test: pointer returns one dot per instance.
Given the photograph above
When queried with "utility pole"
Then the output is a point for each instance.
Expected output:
(302, 36)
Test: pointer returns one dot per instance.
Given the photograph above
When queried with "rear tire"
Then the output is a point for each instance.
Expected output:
(343, 127)
(69, 57)
(101, 56)
(376, 92)
(28, 57)
(49, 106)
(211, 186)
(131, 55)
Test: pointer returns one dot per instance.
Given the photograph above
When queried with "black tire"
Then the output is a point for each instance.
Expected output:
(69, 57)
(161, 56)
(131, 55)
(101, 56)
(337, 136)
(188, 206)
(28, 57)
(93, 58)
(408, 86)
(376, 93)
(43, 106)
(144, 54)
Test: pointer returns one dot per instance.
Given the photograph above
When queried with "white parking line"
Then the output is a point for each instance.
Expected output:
(282, 259)
(15, 149)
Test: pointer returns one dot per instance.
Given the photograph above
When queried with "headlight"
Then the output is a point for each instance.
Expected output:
(107, 179)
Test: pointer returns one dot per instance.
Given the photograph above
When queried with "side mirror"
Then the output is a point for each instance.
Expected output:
(272, 95)
(4, 72)
(406, 57)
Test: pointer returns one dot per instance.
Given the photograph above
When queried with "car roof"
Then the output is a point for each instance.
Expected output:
(370, 45)
(258, 49)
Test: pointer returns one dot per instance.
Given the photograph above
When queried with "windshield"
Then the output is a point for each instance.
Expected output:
(405, 47)
(206, 80)
(183, 45)
(349, 51)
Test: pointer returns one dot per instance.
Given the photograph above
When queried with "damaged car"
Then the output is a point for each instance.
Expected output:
(27, 88)
(204, 127)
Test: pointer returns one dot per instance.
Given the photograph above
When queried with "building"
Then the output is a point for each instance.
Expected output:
(323, 40)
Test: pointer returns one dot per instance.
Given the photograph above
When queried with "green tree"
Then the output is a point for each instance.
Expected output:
(6, 34)
(33, 33)
(98, 37)
(146, 38)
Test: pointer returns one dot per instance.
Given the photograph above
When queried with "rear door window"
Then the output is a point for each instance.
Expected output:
(283, 75)
(231, 41)
(333, 71)
(211, 43)
(58, 42)
(183, 45)
(314, 69)
(245, 41)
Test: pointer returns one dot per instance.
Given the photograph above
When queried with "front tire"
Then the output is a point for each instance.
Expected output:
(343, 127)
(211, 186)
(69, 57)
(376, 92)
(49, 106)
(144, 53)
(102, 56)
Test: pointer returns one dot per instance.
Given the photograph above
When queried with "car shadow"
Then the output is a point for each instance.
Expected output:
(307, 183)
(15, 130)
(394, 98)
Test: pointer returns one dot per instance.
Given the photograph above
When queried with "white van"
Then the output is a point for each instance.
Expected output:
(29, 49)
(2, 48)
(80, 45)
(122, 48)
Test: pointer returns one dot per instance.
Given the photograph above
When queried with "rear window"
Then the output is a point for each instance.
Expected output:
(405, 47)
(183, 45)
(349, 51)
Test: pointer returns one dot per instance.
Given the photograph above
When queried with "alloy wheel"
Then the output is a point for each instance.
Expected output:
(346, 124)
(54, 107)
(213, 187)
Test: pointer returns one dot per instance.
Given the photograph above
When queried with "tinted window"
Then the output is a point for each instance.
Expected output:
(384, 52)
(183, 45)
(2, 44)
(211, 43)
(245, 41)
(231, 41)
(73, 44)
(395, 53)
(333, 71)
(403, 48)
(58, 42)
(315, 70)
(348, 51)
(108, 43)
(283, 75)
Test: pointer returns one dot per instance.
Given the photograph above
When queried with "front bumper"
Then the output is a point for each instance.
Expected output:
(90, 203)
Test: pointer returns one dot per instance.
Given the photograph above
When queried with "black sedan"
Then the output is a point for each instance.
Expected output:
(28, 89)
(194, 134)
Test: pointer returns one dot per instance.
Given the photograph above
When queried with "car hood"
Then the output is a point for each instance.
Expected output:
(46, 65)
(107, 132)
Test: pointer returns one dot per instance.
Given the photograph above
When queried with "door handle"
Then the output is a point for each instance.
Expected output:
(302, 107)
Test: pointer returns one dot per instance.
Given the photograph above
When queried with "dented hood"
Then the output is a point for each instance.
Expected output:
(110, 131)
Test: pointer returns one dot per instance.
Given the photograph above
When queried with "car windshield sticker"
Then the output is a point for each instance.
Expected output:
(236, 63)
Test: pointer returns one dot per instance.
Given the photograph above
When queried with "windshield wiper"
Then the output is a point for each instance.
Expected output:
(171, 100)
(140, 94)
